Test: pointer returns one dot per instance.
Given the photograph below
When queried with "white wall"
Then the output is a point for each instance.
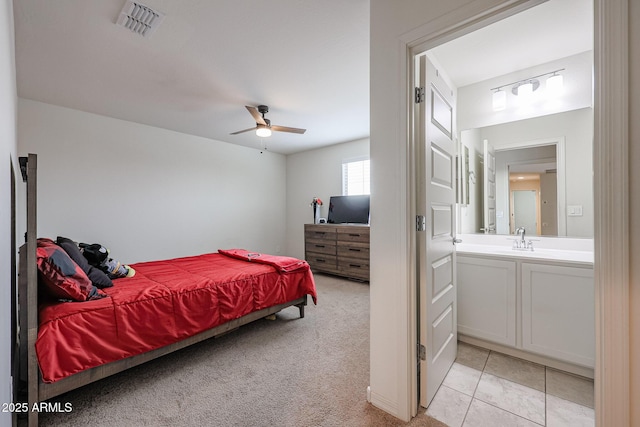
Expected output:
(315, 173)
(8, 152)
(393, 25)
(149, 193)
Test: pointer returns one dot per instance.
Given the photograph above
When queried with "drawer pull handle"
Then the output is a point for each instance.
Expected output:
(354, 235)
(321, 233)
(354, 250)
(355, 265)
(319, 246)
(320, 260)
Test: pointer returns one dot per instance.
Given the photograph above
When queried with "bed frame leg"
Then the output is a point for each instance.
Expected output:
(301, 307)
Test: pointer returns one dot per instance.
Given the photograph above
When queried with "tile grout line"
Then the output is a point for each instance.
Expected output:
(506, 410)
(545, 395)
(476, 388)
(509, 412)
(544, 391)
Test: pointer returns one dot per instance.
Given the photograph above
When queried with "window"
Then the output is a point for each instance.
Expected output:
(355, 177)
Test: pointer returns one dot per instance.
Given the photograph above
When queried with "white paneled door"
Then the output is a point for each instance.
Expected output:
(435, 206)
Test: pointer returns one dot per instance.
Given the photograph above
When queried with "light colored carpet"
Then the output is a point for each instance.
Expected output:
(286, 372)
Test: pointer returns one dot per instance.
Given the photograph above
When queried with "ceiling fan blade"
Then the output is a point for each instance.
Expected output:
(287, 129)
(242, 131)
(256, 115)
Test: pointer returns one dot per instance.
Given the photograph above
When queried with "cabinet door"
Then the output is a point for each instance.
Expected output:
(487, 299)
(558, 315)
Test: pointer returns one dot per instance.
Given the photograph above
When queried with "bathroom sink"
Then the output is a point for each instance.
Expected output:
(537, 253)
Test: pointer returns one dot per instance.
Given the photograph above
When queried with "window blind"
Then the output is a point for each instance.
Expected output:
(355, 178)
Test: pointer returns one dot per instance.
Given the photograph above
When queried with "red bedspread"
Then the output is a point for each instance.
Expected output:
(165, 302)
(284, 264)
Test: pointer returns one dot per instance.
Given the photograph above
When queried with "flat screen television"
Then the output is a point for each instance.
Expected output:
(348, 209)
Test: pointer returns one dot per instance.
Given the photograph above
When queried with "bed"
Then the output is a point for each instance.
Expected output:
(167, 305)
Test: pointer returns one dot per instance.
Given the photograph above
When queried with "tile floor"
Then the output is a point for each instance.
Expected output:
(485, 388)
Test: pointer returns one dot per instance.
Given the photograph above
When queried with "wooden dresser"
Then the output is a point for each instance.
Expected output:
(341, 249)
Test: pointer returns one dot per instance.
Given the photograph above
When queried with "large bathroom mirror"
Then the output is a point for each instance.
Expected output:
(524, 122)
(543, 176)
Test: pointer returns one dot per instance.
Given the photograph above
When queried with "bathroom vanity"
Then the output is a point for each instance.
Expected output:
(537, 305)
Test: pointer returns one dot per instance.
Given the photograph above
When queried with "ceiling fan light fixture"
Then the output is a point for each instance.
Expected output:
(263, 131)
(263, 125)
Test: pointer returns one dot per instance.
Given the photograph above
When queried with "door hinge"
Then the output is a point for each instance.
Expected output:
(421, 223)
(419, 95)
(422, 352)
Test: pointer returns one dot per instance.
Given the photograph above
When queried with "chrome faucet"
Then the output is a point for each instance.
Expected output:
(521, 243)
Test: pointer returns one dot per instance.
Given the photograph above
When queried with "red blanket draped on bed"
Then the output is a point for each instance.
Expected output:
(165, 302)
(282, 263)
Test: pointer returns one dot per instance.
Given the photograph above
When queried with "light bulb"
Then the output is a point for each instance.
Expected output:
(499, 100)
(525, 91)
(263, 131)
(554, 85)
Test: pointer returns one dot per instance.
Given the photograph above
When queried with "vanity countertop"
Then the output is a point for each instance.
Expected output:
(583, 257)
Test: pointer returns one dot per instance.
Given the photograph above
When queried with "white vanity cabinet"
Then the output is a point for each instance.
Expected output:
(487, 299)
(558, 314)
(541, 308)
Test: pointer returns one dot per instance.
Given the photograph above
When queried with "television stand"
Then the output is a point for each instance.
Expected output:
(340, 249)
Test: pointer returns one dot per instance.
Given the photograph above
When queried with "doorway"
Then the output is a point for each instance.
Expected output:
(614, 405)
(524, 208)
(538, 167)
(532, 127)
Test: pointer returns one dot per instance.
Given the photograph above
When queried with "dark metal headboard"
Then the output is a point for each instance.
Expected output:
(28, 291)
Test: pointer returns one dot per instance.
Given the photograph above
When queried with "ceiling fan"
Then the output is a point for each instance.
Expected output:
(263, 126)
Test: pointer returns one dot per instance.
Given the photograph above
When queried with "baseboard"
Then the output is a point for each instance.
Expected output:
(521, 354)
(385, 404)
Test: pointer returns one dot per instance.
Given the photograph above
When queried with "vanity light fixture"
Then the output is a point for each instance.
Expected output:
(524, 88)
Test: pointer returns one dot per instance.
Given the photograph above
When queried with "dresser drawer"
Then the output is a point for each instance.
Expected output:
(354, 250)
(314, 233)
(361, 234)
(322, 261)
(320, 246)
(353, 267)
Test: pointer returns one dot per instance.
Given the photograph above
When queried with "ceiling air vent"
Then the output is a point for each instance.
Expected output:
(139, 18)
